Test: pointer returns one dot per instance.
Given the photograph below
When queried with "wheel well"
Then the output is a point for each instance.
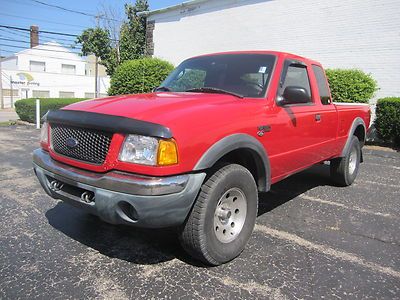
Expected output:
(249, 159)
(360, 134)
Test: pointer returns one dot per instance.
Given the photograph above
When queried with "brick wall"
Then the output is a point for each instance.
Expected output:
(362, 34)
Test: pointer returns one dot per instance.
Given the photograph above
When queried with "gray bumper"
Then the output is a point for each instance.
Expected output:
(120, 198)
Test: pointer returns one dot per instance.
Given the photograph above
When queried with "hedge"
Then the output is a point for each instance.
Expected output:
(387, 120)
(351, 85)
(26, 108)
(139, 76)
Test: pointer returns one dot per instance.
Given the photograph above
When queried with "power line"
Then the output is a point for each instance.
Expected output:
(42, 37)
(44, 31)
(26, 34)
(20, 47)
(42, 20)
(10, 31)
(41, 31)
(65, 9)
(75, 11)
(46, 38)
(25, 42)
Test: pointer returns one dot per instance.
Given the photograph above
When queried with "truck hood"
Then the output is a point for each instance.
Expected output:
(161, 108)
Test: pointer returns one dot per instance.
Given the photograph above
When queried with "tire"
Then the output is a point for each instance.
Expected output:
(223, 216)
(344, 170)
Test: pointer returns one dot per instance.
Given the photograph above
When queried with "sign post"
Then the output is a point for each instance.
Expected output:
(1, 87)
(37, 114)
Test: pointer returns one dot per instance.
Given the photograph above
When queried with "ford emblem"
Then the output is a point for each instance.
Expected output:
(72, 143)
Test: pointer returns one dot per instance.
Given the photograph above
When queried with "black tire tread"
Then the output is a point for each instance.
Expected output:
(339, 169)
(192, 235)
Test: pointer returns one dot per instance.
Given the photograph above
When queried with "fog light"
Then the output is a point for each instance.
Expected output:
(129, 211)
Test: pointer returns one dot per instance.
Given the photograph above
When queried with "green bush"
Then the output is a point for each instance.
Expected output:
(26, 108)
(189, 80)
(351, 85)
(387, 120)
(139, 76)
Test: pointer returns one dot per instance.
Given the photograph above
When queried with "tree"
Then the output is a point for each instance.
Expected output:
(95, 41)
(115, 43)
(133, 32)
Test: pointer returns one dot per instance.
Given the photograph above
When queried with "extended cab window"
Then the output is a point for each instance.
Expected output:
(322, 85)
(296, 75)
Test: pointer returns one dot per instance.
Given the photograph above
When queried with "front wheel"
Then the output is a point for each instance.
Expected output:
(344, 170)
(223, 216)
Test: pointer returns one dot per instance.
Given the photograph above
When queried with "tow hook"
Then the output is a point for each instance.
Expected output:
(87, 197)
(56, 185)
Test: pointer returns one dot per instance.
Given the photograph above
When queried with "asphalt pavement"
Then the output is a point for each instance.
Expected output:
(312, 240)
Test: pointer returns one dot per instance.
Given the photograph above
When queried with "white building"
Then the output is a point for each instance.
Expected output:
(48, 71)
(363, 34)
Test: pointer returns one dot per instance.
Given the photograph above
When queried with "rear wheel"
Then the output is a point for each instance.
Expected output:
(223, 216)
(344, 170)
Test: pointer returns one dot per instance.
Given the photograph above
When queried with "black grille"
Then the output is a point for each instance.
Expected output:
(79, 143)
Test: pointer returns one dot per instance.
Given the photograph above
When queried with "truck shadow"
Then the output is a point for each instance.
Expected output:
(293, 186)
(139, 246)
(149, 246)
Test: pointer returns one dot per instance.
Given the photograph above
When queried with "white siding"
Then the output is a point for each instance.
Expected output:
(64, 72)
(362, 34)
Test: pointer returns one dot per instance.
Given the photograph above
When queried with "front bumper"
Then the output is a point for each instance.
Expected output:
(117, 197)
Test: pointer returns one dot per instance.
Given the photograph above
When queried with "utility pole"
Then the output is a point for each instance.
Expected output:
(96, 67)
(12, 92)
(96, 72)
(1, 86)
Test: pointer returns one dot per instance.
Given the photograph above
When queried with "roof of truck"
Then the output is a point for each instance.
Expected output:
(276, 53)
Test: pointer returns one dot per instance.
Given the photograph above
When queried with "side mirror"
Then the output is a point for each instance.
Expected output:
(295, 95)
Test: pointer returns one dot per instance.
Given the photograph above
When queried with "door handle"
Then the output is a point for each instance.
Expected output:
(317, 117)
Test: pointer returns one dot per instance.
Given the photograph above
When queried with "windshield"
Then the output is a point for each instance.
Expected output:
(246, 75)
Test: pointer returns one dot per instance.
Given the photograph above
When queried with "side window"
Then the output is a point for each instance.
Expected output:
(296, 76)
(189, 79)
(322, 85)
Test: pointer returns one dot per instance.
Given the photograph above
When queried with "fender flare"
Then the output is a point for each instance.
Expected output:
(358, 121)
(235, 142)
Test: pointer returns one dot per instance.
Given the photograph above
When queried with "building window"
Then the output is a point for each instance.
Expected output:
(67, 95)
(40, 94)
(37, 66)
(68, 69)
(89, 95)
(7, 93)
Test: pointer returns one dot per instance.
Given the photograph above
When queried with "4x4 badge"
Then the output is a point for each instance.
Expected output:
(263, 129)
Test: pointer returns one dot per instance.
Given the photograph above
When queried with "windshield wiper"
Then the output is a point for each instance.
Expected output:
(214, 90)
(162, 89)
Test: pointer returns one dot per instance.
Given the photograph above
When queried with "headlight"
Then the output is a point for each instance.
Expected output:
(148, 151)
(44, 134)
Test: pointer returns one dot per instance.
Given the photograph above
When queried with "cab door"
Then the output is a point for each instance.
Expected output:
(295, 127)
(328, 116)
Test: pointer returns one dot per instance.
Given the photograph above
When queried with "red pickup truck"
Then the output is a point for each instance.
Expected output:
(195, 153)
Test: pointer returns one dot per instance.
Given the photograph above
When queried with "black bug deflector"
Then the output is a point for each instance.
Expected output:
(107, 123)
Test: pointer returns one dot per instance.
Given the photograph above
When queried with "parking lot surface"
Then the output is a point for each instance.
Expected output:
(311, 240)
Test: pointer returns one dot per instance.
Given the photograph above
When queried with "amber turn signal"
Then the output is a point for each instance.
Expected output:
(167, 153)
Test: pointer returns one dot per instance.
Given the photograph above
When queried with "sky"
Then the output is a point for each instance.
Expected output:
(23, 13)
